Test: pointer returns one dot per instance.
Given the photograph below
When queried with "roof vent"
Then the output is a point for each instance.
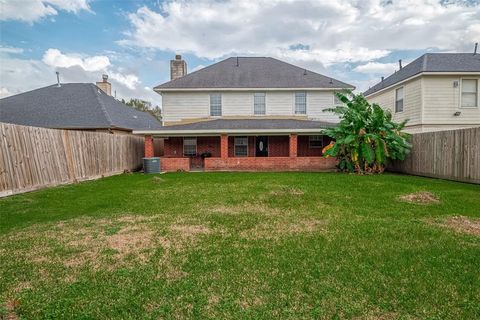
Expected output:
(331, 81)
(475, 50)
(383, 78)
(304, 72)
(237, 62)
(400, 64)
(58, 79)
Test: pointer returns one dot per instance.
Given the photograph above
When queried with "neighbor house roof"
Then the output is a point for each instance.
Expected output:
(73, 106)
(253, 72)
(242, 126)
(431, 62)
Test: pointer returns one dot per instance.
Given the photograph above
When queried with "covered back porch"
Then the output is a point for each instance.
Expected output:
(297, 147)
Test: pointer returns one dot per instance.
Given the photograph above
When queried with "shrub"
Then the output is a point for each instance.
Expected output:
(366, 137)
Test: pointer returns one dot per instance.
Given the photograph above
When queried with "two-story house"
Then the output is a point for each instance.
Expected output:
(245, 113)
(438, 91)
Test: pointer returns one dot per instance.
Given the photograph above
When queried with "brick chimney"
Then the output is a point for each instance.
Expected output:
(178, 67)
(105, 85)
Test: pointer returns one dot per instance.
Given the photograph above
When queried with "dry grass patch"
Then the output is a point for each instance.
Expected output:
(461, 224)
(287, 191)
(421, 197)
(247, 207)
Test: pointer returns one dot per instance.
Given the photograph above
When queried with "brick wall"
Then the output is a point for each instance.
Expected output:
(270, 164)
(175, 164)
(278, 146)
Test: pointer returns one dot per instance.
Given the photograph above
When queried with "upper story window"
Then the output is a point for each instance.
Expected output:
(215, 104)
(241, 146)
(399, 100)
(300, 103)
(190, 146)
(469, 93)
(336, 100)
(259, 103)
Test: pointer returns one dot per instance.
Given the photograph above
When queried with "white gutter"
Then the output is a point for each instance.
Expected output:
(210, 132)
(159, 90)
(430, 73)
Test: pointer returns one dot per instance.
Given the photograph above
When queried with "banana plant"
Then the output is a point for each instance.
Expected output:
(366, 137)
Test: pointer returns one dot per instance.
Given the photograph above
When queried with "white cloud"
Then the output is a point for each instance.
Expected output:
(12, 50)
(33, 10)
(376, 68)
(20, 75)
(318, 32)
(55, 58)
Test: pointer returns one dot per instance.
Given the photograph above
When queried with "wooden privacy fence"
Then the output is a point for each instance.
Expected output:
(33, 158)
(452, 155)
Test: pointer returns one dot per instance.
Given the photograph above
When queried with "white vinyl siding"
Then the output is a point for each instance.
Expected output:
(412, 103)
(241, 146)
(177, 106)
(215, 105)
(259, 103)
(399, 98)
(443, 98)
(300, 103)
(189, 146)
(188, 106)
(469, 93)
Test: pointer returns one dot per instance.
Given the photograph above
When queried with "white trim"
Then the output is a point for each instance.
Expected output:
(472, 73)
(160, 90)
(210, 132)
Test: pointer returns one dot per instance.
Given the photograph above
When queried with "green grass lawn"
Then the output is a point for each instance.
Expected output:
(242, 245)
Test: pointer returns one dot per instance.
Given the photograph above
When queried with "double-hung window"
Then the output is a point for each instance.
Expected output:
(215, 104)
(399, 99)
(336, 100)
(189, 146)
(241, 146)
(315, 141)
(469, 93)
(259, 103)
(300, 103)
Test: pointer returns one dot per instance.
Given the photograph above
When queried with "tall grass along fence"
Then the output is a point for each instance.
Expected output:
(32, 158)
(452, 155)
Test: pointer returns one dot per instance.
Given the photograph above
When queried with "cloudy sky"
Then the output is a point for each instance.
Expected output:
(133, 41)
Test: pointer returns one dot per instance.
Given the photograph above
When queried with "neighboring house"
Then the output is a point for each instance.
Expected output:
(79, 106)
(245, 113)
(438, 91)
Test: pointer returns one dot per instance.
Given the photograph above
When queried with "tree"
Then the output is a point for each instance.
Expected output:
(366, 137)
(145, 106)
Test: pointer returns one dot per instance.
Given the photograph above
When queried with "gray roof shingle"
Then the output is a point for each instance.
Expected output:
(253, 72)
(431, 62)
(73, 106)
(250, 124)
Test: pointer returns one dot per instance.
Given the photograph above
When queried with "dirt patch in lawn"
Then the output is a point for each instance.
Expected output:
(247, 207)
(421, 197)
(463, 224)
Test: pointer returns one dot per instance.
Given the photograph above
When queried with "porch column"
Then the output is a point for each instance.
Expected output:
(293, 145)
(224, 146)
(148, 146)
